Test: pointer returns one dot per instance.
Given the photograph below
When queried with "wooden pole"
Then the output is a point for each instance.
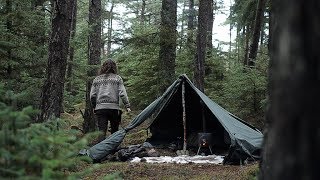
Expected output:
(184, 118)
(203, 117)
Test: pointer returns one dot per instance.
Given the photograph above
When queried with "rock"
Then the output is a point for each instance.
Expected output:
(153, 153)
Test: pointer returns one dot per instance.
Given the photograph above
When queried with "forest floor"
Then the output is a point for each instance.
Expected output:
(173, 171)
(143, 170)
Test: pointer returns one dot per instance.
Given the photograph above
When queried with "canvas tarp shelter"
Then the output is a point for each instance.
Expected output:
(165, 114)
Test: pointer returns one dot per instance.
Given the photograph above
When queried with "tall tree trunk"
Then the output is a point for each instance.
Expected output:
(191, 17)
(238, 43)
(190, 34)
(256, 32)
(200, 57)
(9, 68)
(94, 59)
(71, 48)
(246, 32)
(292, 140)
(262, 33)
(110, 20)
(270, 22)
(211, 16)
(168, 43)
(211, 8)
(230, 31)
(143, 9)
(52, 93)
(182, 39)
(104, 36)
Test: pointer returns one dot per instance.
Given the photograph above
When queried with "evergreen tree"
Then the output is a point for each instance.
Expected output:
(71, 48)
(211, 9)
(23, 54)
(291, 136)
(52, 93)
(256, 32)
(110, 29)
(94, 59)
(168, 43)
(199, 71)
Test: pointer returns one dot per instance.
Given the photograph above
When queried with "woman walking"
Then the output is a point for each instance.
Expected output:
(106, 91)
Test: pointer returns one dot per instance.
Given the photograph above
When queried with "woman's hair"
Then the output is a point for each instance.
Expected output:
(109, 66)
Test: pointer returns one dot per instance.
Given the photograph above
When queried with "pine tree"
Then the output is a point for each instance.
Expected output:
(292, 133)
(94, 59)
(259, 18)
(168, 44)
(199, 71)
(52, 93)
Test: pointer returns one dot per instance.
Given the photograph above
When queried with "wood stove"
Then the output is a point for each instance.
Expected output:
(204, 141)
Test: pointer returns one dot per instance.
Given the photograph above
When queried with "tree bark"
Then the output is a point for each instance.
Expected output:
(191, 17)
(168, 43)
(238, 43)
(182, 32)
(256, 32)
(52, 93)
(71, 48)
(230, 31)
(210, 27)
(9, 68)
(270, 26)
(190, 44)
(143, 9)
(292, 140)
(246, 32)
(200, 56)
(262, 34)
(110, 20)
(94, 59)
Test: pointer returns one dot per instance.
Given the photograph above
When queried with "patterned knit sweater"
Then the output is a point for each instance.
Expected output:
(106, 90)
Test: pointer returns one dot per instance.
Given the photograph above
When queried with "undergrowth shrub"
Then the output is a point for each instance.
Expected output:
(37, 151)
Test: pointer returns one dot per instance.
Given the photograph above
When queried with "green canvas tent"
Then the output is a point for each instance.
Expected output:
(229, 132)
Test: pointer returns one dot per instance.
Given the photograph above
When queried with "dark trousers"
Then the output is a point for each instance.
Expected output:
(105, 115)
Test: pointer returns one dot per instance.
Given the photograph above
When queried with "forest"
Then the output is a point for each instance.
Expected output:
(267, 74)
